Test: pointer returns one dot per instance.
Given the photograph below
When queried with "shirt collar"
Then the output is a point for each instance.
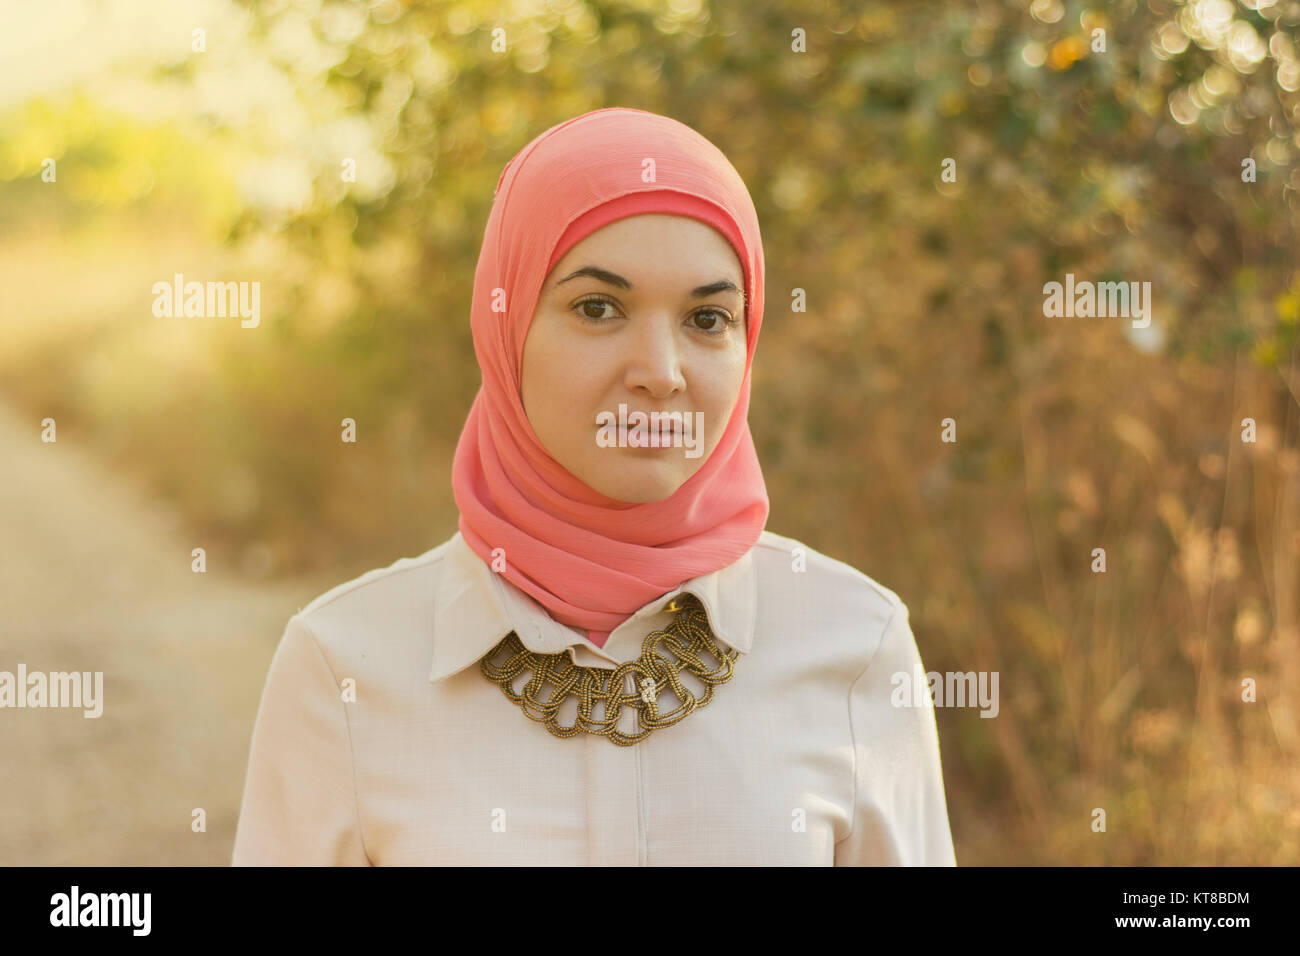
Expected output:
(474, 608)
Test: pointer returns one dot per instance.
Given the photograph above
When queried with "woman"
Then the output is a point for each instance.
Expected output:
(701, 691)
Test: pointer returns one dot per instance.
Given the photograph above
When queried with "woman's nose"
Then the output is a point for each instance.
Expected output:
(655, 363)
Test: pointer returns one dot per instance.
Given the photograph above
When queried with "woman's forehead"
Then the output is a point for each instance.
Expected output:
(654, 246)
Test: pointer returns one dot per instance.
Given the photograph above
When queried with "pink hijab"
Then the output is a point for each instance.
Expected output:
(590, 560)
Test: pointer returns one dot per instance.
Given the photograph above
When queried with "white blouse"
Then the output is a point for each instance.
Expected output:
(379, 741)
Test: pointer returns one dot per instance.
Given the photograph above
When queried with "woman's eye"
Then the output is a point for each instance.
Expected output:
(715, 321)
(590, 309)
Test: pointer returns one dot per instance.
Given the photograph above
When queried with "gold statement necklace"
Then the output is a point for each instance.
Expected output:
(687, 638)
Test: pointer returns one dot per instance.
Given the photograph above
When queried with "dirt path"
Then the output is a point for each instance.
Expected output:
(95, 577)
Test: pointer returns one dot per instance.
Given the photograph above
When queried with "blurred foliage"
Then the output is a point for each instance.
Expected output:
(1120, 690)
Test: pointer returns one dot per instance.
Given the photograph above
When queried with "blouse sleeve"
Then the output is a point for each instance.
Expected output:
(900, 814)
(299, 806)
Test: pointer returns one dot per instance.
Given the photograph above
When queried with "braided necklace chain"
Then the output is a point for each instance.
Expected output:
(687, 637)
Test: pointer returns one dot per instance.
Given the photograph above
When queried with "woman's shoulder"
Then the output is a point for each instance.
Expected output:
(778, 557)
(853, 612)
(373, 602)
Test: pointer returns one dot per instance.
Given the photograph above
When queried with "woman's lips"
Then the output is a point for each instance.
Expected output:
(637, 437)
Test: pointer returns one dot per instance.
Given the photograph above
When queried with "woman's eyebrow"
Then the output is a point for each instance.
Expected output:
(611, 278)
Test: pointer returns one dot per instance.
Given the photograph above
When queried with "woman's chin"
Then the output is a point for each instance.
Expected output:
(639, 482)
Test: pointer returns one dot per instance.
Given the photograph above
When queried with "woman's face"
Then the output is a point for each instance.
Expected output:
(648, 313)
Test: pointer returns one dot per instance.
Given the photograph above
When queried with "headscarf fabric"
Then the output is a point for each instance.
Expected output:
(591, 560)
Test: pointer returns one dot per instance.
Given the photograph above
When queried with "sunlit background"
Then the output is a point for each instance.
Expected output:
(213, 139)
